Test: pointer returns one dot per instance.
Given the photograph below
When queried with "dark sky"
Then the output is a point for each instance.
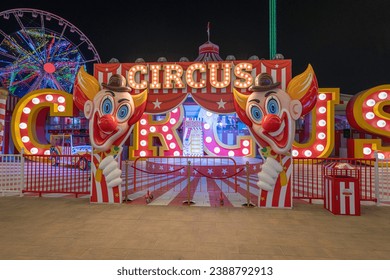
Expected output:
(347, 42)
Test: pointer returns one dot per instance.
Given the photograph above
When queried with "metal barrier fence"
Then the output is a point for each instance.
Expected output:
(175, 180)
(56, 174)
(382, 179)
(308, 179)
(11, 174)
(178, 180)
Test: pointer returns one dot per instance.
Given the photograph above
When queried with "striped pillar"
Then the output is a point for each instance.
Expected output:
(3, 104)
(281, 195)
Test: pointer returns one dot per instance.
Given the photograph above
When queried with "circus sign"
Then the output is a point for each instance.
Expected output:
(209, 83)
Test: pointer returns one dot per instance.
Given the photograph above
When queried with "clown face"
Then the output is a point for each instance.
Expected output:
(109, 115)
(273, 114)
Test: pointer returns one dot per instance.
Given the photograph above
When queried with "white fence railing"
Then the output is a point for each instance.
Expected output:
(11, 174)
(382, 179)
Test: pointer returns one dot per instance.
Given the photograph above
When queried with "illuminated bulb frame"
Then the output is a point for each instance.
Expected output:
(331, 98)
(173, 76)
(226, 76)
(190, 75)
(155, 73)
(161, 132)
(380, 97)
(244, 79)
(29, 117)
(142, 69)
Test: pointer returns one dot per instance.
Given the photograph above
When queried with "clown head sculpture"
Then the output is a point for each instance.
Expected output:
(270, 113)
(273, 114)
(112, 111)
(109, 114)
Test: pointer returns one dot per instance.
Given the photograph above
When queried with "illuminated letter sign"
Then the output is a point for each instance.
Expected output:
(214, 77)
(210, 84)
(369, 112)
(135, 71)
(28, 119)
(172, 76)
(165, 130)
(245, 78)
(190, 75)
(321, 142)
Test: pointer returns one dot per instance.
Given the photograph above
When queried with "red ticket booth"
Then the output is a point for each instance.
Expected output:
(341, 187)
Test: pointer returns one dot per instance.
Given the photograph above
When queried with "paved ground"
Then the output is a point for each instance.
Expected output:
(70, 228)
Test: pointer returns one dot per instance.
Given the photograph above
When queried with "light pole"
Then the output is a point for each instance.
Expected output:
(272, 28)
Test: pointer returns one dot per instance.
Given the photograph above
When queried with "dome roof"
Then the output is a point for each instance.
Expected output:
(208, 52)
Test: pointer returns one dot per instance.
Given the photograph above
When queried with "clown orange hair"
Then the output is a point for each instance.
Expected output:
(240, 106)
(303, 87)
(87, 86)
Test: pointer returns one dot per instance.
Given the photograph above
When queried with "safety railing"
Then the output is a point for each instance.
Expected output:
(174, 180)
(382, 179)
(205, 181)
(11, 174)
(308, 180)
(56, 174)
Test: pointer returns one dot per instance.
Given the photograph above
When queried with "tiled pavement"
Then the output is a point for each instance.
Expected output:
(70, 228)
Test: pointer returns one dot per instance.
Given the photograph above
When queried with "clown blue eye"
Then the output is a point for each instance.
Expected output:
(273, 106)
(123, 112)
(107, 106)
(256, 113)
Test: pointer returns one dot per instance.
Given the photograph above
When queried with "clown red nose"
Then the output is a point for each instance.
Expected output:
(107, 124)
(271, 123)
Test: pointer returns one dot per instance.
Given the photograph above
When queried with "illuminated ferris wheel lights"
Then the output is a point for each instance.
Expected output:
(34, 57)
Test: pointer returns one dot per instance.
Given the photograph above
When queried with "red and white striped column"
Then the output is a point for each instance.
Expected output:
(281, 195)
(3, 104)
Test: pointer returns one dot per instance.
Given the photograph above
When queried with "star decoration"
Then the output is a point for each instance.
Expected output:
(156, 104)
(224, 171)
(182, 171)
(221, 104)
(210, 171)
(171, 168)
(195, 172)
(161, 167)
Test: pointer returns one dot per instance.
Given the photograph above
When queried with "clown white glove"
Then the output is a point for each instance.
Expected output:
(269, 173)
(111, 171)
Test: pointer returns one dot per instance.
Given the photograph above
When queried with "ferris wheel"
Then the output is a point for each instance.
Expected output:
(41, 50)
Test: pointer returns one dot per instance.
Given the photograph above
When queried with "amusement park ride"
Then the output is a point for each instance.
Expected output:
(232, 108)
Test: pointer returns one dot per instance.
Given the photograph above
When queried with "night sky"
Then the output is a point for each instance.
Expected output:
(347, 42)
